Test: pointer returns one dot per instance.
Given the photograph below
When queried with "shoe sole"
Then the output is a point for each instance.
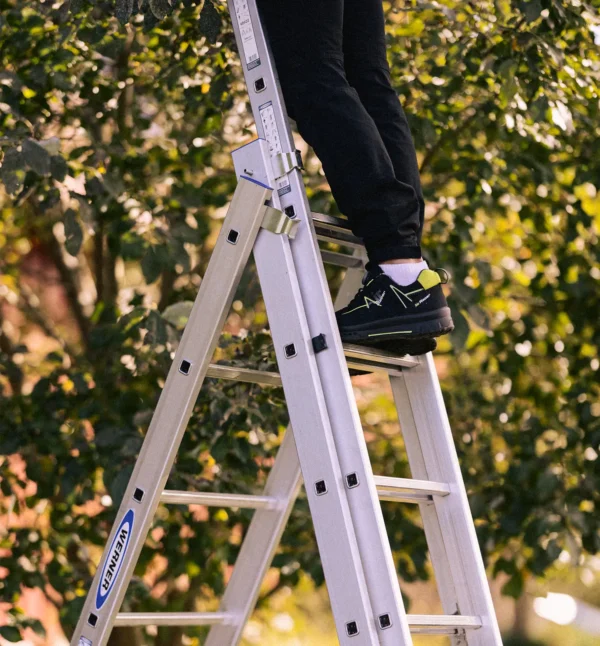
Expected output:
(409, 328)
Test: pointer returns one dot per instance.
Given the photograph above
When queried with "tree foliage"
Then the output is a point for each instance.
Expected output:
(116, 123)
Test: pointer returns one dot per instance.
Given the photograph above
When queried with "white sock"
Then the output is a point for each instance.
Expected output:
(404, 273)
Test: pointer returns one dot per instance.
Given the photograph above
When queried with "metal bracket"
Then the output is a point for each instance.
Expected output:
(278, 222)
(283, 163)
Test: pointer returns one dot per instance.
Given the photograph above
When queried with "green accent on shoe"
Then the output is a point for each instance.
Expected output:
(429, 278)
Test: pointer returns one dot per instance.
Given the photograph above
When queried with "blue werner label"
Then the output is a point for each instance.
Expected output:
(116, 555)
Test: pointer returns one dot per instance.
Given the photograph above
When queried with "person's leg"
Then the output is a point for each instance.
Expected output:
(306, 37)
(368, 72)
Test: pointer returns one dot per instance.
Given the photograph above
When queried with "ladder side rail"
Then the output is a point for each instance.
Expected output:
(273, 125)
(437, 550)
(314, 441)
(433, 532)
(259, 546)
(175, 405)
(424, 396)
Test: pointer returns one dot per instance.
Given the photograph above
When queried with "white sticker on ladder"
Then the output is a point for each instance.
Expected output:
(271, 134)
(242, 13)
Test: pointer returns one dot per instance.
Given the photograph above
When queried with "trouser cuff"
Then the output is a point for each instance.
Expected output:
(379, 251)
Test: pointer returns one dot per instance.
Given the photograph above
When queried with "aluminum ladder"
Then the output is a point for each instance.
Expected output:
(269, 215)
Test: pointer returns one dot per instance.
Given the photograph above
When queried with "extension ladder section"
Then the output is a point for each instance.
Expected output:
(324, 445)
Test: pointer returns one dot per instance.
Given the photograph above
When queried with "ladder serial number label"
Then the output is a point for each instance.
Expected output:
(242, 13)
(271, 134)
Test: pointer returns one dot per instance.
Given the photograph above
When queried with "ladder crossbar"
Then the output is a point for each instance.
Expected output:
(429, 624)
(337, 230)
(409, 490)
(341, 259)
(213, 499)
(442, 624)
(247, 375)
(173, 618)
(378, 359)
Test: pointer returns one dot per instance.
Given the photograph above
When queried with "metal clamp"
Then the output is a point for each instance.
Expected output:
(278, 222)
(283, 163)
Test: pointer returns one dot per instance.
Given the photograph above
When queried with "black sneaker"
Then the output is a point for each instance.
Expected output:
(383, 311)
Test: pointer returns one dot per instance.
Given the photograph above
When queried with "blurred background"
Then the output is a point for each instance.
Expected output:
(117, 120)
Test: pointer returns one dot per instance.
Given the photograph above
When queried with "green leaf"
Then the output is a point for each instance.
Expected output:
(160, 8)
(37, 158)
(178, 313)
(58, 168)
(157, 329)
(153, 263)
(117, 486)
(11, 171)
(461, 329)
(124, 10)
(35, 625)
(514, 586)
(210, 21)
(531, 9)
(10, 633)
(73, 233)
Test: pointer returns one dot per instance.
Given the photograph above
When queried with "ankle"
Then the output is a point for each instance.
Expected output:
(401, 261)
(404, 271)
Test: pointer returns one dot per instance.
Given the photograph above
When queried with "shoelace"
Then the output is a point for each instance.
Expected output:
(359, 294)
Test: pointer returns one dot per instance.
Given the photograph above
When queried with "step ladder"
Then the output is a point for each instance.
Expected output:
(324, 446)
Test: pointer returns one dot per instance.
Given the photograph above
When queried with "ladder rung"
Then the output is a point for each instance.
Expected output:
(409, 490)
(218, 499)
(336, 230)
(173, 618)
(244, 374)
(342, 259)
(358, 357)
(442, 624)
(372, 360)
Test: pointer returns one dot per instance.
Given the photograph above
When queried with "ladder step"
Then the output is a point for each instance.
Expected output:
(373, 360)
(359, 357)
(342, 259)
(423, 624)
(442, 624)
(173, 618)
(247, 375)
(245, 501)
(409, 490)
(336, 230)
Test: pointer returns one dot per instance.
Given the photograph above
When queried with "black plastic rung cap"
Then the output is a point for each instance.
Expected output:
(352, 480)
(352, 628)
(233, 236)
(319, 343)
(138, 494)
(385, 621)
(320, 487)
(92, 619)
(185, 367)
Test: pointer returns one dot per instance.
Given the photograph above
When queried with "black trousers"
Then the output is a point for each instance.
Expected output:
(331, 61)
